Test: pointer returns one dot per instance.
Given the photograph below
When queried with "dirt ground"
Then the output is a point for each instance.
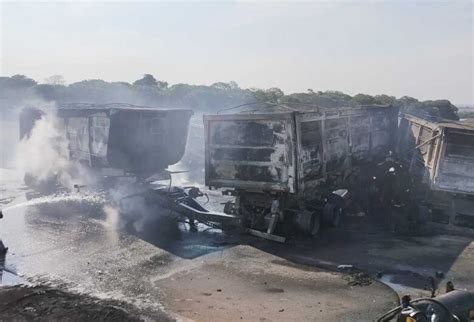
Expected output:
(22, 303)
(244, 283)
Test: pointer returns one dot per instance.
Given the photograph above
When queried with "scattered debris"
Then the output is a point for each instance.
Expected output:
(358, 279)
(449, 286)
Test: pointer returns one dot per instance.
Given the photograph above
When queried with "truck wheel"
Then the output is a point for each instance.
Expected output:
(333, 214)
(308, 222)
(316, 224)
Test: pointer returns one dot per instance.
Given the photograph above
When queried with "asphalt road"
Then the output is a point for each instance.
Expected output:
(80, 243)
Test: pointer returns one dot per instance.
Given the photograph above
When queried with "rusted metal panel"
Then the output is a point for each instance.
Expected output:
(250, 152)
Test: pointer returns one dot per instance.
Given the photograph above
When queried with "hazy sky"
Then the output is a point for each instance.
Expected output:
(422, 49)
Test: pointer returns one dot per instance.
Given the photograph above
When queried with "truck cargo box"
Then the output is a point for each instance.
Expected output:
(136, 139)
(440, 154)
(294, 152)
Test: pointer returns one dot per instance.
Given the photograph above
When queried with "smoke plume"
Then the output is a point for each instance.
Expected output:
(44, 154)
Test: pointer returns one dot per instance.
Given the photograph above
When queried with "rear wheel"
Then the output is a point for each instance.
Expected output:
(333, 214)
(308, 222)
(316, 224)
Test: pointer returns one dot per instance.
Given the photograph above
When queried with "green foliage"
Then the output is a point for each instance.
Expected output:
(272, 95)
(439, 109)
(221, 95)
(363, 99)
(384, 99)
(146, 80)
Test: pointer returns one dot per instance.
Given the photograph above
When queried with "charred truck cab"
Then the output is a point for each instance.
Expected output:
(292, 169)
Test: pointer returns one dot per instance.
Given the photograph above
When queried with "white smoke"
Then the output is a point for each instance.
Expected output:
(44, 154)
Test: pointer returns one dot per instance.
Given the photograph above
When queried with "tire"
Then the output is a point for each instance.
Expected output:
(333, 214)
(337, 217)
(316, 224)
(308, 222)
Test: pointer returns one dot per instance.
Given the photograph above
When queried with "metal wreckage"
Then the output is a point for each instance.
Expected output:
(290, 171)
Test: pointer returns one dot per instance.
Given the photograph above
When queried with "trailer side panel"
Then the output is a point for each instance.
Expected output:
(331, 143)
(254, 152)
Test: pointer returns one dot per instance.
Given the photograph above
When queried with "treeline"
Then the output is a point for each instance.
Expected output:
(19, 90)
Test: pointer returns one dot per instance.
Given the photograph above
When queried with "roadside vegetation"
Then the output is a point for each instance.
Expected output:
(19, 90)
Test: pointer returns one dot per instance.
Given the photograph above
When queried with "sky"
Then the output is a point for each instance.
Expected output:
(419, 48)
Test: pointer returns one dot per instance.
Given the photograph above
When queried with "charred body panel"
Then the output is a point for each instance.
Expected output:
(250, 151)
(138, 140)
(295, 151)
(332, 144)
(283, 167)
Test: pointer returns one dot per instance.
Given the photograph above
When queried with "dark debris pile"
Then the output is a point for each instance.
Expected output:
(22, 303)
(358, 279)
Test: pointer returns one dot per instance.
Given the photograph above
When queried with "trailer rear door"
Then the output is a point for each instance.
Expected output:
(250, 151)
(455, 170)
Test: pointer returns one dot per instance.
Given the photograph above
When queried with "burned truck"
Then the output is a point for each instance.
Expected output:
(291, 169)
(137, 140)
(440, 159)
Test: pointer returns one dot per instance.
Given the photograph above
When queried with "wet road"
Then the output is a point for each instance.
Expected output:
(79, 242)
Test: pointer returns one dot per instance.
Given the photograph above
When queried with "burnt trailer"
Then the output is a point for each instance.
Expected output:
(287, 169)
(137, 140)
(440, 158)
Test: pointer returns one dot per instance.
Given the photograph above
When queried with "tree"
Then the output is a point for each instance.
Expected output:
(17, 82)
(146, 80)
(363, 99)
(55, 80)
(384, 99)
(234, 85)
(162, 84)
(46, 91)
(406, 100)
(222, 86)
(271, 95)
(336, 95)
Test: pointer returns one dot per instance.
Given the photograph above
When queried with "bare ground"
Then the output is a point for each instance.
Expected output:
(22, 303)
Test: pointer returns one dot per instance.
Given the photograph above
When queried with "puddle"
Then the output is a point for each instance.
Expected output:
(389, 281)
(7, 275)
(9, 278)
(406, 283)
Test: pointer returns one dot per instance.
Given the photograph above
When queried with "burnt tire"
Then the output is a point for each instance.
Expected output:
(316, 224)
(308, 222)
(333, 214)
